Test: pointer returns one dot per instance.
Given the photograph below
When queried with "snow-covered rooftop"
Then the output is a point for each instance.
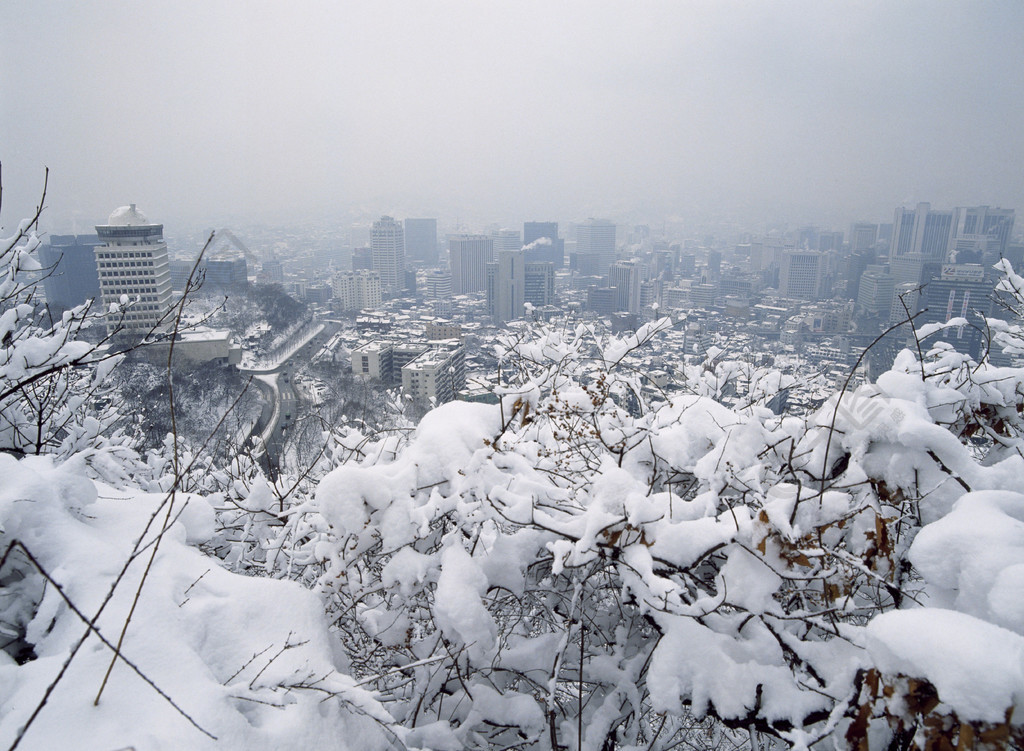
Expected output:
(127, 216)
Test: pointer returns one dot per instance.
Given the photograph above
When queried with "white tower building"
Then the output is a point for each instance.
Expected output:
(133, 263)
(387, 248)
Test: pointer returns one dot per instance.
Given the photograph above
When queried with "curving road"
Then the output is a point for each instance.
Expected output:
(281, 399)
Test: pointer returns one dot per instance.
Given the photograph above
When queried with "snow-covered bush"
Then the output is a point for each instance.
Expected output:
(581, 567)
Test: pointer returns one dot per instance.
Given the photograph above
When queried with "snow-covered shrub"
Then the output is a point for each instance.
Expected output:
(580, 566)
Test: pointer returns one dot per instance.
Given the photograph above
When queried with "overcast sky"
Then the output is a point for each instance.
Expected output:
(795, 111)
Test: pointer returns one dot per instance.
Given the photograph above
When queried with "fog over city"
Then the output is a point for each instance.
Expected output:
(266, 111)
(511, 376)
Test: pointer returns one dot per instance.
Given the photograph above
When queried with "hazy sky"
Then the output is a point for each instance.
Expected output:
(223, 109)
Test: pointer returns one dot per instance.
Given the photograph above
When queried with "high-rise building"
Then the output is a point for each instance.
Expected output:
(714, 266)
(921, 231)
(807, 238)
(387, 248)
(830, 241)
(552, 252)
(69, 267)
(512, 281)
(540, 283)
(506, 239)
(959, 291)
(601, 300)
(357, 290)
(624, 276)
(687, 265)
(469, 256)
(802, 274)
(985, 230)
(226, 272)
(421, 241)
(875, 291)
(982, 220)
(862, 236)
(506, 286)
(596, 237)
(133, 263)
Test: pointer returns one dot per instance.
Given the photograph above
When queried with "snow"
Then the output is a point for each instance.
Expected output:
(458, 609)
(973, 558)
(194, 633)
(680, 556)
(127, 216)
(977, 667)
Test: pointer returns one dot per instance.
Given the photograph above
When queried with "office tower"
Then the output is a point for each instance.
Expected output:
(830, 241)
(1015, 255)
(133, 262)
(601, 300)
(512, 282)
(225, 272)
(913, 268)
(387, 249)
(875, 291)
(357, 290)
(714, 264)
(587, 264)
(553, 252)
(921, 232)
(421, 241)
(766, 258)
(802, 274)
(852, 267)
(982, 220)
(437, 284)
(624, 277)
(862, 236)
(649, 293)
(959, 291)
(469, 256)
(506, 239)
(533, 231)
(985, 231)
(596, 238)
(687, 265)
(506, 286)
(69, 267)
(540, 283)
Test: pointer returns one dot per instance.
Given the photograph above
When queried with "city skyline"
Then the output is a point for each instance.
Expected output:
(749, 113)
